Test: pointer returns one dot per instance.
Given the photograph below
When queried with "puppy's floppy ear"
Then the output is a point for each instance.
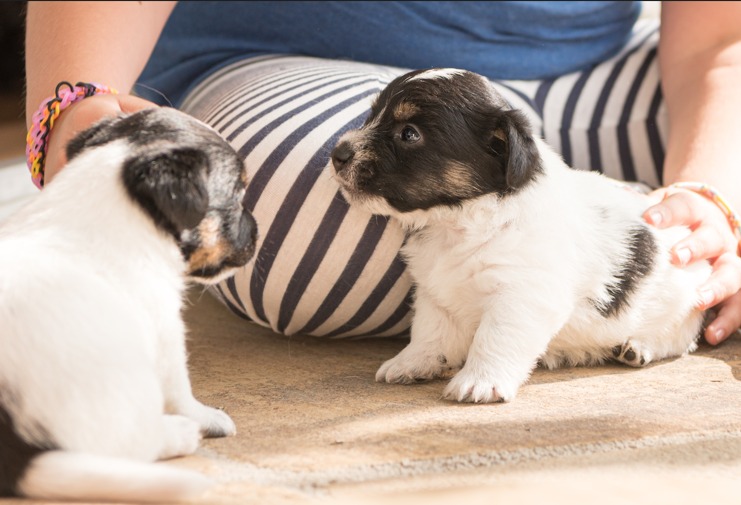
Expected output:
(171, 186)
(513, 140)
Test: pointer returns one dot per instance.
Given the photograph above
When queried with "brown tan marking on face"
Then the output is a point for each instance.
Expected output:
(405, 111)
(213, 248)
(459, 178)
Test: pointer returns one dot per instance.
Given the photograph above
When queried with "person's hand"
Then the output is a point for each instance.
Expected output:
(80, 116)
(711, 238)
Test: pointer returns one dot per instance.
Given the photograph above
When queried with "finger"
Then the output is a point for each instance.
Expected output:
(680, 208)
(723, 283)
(706, 242)
(726, 322)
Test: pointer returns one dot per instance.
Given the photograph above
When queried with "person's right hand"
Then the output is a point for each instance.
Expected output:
(711, 239)
(79, 116)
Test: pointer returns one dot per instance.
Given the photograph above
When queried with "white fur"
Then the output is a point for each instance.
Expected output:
(501, 283)
(93, 344)
(437, 73)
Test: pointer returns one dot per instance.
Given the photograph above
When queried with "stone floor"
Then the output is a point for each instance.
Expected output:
(314, 427)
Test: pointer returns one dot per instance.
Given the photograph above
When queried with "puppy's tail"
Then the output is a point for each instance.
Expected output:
(60, 475)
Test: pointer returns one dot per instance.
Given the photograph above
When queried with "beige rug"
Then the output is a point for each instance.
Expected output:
(314, 427)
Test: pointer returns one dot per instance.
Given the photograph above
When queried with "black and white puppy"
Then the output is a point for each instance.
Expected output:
(93, 376)
(515, 257)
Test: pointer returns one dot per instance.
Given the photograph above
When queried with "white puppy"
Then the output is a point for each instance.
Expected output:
(93, 377)
(515, 257)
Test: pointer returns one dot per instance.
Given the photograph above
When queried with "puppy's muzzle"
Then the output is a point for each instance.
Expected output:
(342, 155)
(220, 244)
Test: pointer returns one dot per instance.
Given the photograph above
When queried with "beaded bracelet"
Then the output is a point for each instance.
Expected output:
(713, 195)
(43, 121)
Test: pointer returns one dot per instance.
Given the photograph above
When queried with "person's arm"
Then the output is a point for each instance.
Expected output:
(103, 42)
(700, 63)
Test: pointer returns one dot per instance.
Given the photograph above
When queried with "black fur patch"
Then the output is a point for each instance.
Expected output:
(470, 143)
(179, 170)
(167, 173)
(15, 455)
(642, 250)
(170, 185)
(139, 129)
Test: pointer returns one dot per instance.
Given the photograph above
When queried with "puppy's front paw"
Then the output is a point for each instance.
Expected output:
(218, 425)
(408, 367)
(214, 423)
(468, 386)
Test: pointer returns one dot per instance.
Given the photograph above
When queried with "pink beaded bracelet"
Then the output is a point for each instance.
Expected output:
(43, 121)
(713, 195)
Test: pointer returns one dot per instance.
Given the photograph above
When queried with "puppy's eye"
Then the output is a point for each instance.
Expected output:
(409, 135)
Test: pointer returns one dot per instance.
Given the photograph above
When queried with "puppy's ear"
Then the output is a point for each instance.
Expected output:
(171, 186)
(512, 139)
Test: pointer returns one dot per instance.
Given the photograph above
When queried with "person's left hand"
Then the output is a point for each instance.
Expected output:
(711, 238)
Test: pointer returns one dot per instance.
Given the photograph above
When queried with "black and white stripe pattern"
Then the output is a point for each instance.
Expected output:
(610, 118)
(325, 269)
(321, 267)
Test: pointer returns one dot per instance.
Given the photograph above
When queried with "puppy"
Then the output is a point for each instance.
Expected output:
(515, 257)
(93, 377)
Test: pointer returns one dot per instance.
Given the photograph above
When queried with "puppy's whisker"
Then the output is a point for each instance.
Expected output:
(203, 290)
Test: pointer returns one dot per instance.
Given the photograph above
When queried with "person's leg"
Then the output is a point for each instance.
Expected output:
(321, 268)
(610, 118)
(324, 269)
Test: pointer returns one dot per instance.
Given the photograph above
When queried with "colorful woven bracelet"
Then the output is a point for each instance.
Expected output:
(713, 195)
(43, 121)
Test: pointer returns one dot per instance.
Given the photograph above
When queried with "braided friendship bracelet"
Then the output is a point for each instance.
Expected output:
(43, 121)
(713, 195)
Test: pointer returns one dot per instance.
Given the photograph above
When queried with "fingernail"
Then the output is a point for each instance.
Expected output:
(706, 297)
(654, 217)
(683, 255)
(718, 334)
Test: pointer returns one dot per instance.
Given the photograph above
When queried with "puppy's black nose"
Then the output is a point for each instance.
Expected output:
(341, 155)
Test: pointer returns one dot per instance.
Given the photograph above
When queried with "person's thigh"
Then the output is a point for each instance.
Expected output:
(325, 269)
(610, 118)
(321, 267)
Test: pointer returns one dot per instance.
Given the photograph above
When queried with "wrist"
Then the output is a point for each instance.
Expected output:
(43, 120)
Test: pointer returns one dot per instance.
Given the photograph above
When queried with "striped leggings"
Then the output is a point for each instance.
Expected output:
(325, 269)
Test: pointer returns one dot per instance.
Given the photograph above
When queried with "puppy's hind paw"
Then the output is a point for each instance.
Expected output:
(631, 353)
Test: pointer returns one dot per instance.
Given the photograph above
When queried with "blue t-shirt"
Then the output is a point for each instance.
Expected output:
(501, 40)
